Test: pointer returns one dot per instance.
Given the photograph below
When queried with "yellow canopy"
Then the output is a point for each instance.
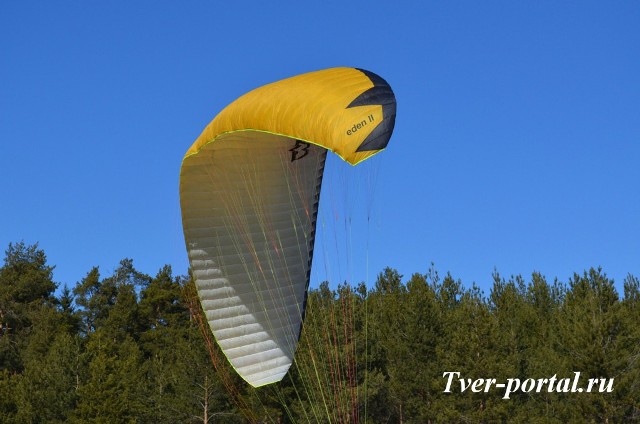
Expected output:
(249, 192)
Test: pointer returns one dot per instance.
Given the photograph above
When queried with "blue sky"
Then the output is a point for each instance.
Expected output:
(517, 140)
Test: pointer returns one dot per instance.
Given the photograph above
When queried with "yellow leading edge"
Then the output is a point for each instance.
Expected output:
(312, 107)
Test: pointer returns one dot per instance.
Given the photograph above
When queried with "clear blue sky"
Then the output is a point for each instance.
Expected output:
(517, 141)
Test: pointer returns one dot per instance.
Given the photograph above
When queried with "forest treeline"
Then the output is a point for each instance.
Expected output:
(128, 348)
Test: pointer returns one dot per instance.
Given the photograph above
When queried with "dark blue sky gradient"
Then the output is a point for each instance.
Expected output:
(517, 142)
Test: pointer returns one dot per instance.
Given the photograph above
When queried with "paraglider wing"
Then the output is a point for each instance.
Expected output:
(249, 193)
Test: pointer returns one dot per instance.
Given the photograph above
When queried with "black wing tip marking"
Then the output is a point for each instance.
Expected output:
(380, 94)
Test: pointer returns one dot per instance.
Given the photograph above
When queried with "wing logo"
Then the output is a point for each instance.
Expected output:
(299, 150)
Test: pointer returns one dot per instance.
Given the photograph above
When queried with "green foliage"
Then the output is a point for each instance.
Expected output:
(47, 391)
(128, 348)
(25, 284)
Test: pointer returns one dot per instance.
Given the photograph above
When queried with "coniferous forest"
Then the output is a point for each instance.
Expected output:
(126, 347)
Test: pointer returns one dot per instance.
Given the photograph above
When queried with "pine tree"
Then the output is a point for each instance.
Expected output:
(591, 328)
(114, 389)
(26, 283)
